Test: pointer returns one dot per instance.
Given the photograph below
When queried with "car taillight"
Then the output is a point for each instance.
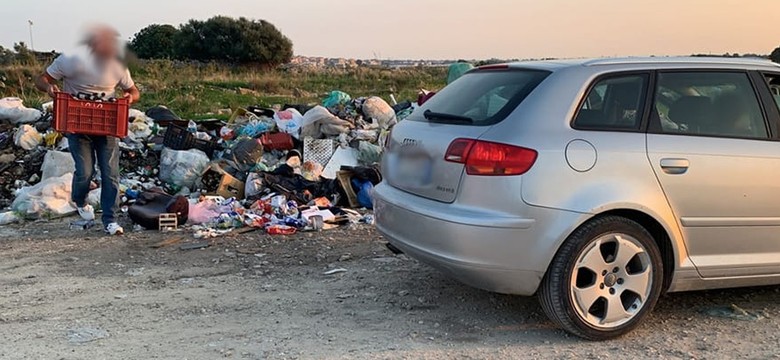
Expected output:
(489, 158)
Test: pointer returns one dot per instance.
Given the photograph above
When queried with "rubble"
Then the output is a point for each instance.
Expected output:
(284, 169)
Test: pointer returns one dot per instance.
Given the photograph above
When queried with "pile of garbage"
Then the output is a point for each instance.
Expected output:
(282, 169)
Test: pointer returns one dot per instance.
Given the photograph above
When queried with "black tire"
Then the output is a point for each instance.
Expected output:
(555, 291)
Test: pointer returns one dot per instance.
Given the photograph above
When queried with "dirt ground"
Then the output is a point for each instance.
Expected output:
(73, 294)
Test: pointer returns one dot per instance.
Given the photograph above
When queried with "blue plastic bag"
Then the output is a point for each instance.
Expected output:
(336, 98)
(365, 188)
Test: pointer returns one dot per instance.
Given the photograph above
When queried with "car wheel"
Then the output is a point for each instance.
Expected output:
(604, 280)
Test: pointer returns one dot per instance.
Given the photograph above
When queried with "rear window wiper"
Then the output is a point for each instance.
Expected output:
(444, 117)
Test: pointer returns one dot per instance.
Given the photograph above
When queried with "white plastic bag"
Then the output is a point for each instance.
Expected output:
(27, 137)
(379, 112)
(140, 127)
(289, 121)
(56, 164)
(50, 196)
(319, 121)
(254, 185)
(182, 168)
(8, 217)
(12, 109)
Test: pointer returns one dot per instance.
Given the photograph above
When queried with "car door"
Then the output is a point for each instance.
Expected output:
(713, 146)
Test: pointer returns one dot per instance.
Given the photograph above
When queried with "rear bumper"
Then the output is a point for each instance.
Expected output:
(494, 251)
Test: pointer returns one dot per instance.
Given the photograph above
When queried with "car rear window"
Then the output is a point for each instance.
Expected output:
(486, 97)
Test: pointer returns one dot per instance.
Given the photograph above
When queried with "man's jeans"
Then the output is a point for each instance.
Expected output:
(86, 150)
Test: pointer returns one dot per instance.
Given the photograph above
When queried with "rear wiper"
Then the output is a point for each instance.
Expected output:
(434, 116)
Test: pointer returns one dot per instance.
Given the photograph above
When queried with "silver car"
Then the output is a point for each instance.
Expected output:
(595, 184)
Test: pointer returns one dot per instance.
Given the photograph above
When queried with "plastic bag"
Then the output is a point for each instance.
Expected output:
(13, 110)
(56, 164)
(255, 127)
(365, 188)
(369, 153)
(254, 185)
(203, 212)
(312, 171)
(319, 121)
(50, 196)
(457, 70)
(336, 98)
(182, 168)
(247, 153)
(140, 127)
(8, 217)
(379, 112)
(27, 137)
(289, 121)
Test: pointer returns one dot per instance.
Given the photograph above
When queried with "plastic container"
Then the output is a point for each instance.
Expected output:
(178, 138)
(74, 116)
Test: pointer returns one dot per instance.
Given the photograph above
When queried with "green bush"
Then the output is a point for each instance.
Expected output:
(154, 42)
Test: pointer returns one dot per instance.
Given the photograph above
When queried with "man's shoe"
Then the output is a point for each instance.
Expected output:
(114, 229)
(87, 212)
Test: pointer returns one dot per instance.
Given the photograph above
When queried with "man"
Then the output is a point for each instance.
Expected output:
(97, 69)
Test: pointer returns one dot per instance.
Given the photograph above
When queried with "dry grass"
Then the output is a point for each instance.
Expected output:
(198, 90)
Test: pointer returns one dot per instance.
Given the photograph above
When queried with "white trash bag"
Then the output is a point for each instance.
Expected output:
(182, 168)
(48, 197)
(13, 110)
(56, 164)
(27, 137)
(289, 121)
(380, 113)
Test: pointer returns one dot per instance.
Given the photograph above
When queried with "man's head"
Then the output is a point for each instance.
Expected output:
(103, 40)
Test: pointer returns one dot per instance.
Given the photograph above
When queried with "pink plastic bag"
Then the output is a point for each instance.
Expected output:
(203, 212)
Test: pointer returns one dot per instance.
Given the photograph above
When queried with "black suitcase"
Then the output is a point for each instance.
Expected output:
(150, 204)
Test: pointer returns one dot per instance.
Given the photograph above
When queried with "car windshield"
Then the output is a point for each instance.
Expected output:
(481, 97)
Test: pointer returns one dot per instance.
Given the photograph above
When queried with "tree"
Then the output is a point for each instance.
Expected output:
(154, 42)
(775, 56)
(239, 40)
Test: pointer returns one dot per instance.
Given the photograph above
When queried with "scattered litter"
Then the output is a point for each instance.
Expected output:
(135, 272)
(733, 312)
(81, 225)
(86, 334)
(335, 271)
(195, 245)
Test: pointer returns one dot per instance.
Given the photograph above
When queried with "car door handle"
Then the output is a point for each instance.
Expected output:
(675, 166)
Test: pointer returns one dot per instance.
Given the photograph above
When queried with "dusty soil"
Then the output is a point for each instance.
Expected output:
(79, 295)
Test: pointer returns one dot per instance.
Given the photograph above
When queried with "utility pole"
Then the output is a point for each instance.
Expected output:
(32, 44)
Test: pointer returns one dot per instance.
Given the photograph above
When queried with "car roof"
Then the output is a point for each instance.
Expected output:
(651, 63)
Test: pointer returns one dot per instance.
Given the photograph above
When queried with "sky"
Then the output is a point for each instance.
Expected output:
(435, 29)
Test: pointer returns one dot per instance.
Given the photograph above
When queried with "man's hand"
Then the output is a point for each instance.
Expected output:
(53, 90)
(47, 84)
(132, 94)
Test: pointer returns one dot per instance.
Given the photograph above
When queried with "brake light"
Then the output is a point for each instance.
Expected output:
(490, 159)
(494, 67)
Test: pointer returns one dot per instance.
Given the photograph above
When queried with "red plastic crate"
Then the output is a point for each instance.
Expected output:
(74, 116)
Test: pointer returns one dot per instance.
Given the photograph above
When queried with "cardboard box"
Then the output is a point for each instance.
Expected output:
(231, 187)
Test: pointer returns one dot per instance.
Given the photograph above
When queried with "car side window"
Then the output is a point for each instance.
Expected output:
(720, 104)
(774, 86)
(615, 102)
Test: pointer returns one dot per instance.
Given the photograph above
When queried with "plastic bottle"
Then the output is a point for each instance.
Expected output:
(192, 127)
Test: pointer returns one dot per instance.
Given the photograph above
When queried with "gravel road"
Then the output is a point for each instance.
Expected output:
(78, 295)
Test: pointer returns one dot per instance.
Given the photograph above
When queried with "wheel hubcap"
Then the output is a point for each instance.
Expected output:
(611, 280)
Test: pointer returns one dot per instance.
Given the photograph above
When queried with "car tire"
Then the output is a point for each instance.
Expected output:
(611, 263)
